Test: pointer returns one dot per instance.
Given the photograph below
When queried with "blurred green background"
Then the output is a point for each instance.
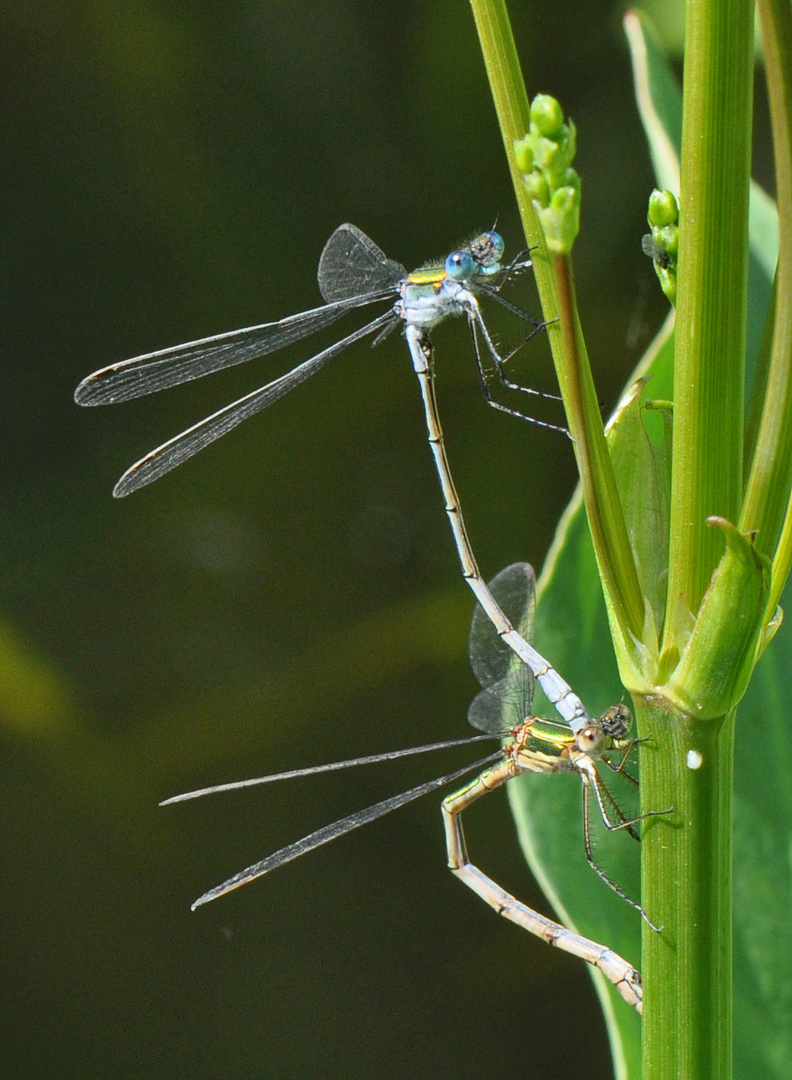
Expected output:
(292, 595)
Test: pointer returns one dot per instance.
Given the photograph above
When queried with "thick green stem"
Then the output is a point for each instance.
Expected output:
(712, 275)
(686, 887)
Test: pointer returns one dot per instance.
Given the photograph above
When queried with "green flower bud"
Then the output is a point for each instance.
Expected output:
(667, 239)
(663, 245)
(546, 115)
(663, 209)
(668, 283)
(561, 220)
(545, 151)
(523, 152)
(538, 188)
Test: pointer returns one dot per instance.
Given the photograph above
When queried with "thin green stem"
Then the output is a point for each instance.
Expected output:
(770, 479)
(507, 85)
(611, 545)
(781, 565)
(554, 281)
(712, 274)
(757, 401)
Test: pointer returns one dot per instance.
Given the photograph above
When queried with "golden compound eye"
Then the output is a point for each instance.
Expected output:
(590, 739)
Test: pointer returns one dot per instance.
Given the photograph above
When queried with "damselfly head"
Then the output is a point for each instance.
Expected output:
(616, 721)
(487, 250)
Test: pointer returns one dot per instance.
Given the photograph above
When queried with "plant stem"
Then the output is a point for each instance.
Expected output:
(713, 275)
(768, 488)
(555, 283)
(686, 885)
(687, 870)
(611, 543)
(507, 85)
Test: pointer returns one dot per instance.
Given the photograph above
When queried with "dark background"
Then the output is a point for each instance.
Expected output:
(291, 596)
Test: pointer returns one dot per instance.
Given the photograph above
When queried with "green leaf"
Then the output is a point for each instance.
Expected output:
(643, 475)
(763, 869)
(659, 99)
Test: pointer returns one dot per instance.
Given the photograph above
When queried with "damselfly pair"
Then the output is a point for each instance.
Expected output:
(353, 272)
(502, 710)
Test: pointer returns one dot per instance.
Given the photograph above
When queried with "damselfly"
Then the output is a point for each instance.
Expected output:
(353, 272)
(532, 746)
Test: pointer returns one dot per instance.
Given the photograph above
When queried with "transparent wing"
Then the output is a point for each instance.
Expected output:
(504, 705)
(183, 446)
(336, 829)
(508, 684)
(352, 265)
(333, 766)
(514, 589)
(155, 371)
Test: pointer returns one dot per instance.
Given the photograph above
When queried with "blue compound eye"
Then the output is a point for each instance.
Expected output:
(460, 265)
(496, 244)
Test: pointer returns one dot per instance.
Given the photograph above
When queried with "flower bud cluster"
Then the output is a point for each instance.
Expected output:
(545, 158)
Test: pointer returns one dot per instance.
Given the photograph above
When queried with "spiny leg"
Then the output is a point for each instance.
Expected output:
(618, 971)
(520, 262)
(586, 781)
(604, 794)
(500, 362)
(620, 766)
(476, 325)
(616, 722)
